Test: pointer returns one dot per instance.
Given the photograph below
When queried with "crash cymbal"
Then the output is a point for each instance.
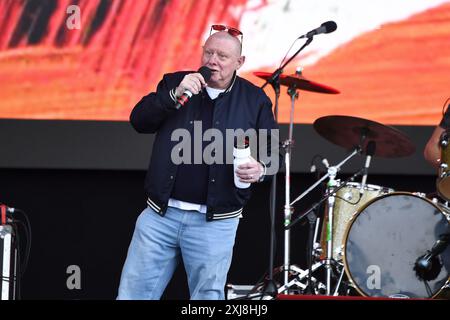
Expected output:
(347, 132)
(299, 81)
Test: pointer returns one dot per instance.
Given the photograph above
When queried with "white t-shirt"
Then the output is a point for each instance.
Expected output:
(214, 93)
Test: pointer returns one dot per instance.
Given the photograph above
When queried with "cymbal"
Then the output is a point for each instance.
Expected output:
(347, 132)
(300, 82)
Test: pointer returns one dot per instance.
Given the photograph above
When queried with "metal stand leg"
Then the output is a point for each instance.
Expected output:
(329, 235)
(287, 220)
(336, 290)
(288, 209)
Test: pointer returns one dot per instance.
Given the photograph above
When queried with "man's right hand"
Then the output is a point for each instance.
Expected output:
(194, 82)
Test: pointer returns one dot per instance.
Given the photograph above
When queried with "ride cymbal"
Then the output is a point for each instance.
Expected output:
(348, 132)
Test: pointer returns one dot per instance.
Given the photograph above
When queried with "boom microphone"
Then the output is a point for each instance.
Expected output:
(325, 27)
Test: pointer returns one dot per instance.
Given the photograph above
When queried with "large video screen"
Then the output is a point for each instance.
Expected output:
(94, 59)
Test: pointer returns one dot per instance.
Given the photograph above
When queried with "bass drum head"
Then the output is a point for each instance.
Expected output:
(384, 240)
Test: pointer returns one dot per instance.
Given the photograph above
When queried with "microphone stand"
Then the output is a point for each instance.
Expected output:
(275, 77)
(270, 287)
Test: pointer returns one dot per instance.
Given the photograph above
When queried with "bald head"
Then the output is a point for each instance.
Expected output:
(231, 42)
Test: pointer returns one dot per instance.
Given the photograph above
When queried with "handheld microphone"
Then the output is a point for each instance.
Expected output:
(206, 73)
(370, 151)
(325, 27)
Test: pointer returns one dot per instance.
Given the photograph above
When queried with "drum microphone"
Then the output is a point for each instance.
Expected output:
(325, 27)
(206, 73)
(370, 151)
(424, 263)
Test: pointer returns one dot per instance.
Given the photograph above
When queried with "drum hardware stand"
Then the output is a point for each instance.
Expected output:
(274, 80)
(332, 187)
(332, 170)
(332, 183)
(288, 209)
(302, 274)
(336, 290)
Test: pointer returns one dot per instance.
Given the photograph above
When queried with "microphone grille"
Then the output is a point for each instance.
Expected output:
(330, 26)
(205, 72)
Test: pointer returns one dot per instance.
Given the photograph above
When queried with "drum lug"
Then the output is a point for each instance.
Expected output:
(420, 194)
(339, 252)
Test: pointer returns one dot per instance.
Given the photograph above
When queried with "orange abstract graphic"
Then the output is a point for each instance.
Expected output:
(394, 74)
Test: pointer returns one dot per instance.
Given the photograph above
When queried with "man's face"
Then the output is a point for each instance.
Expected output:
(221, 53)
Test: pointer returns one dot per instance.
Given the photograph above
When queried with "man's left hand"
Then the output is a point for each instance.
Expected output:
(250, 172)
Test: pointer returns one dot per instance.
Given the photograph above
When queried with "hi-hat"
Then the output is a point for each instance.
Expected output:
(348, 132)
(299, 82)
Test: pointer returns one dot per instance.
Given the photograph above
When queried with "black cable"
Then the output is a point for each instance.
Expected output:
(28, 243)
(269, 284)
(254, 289)
(18, 282)
(292, 45)
(348, 201)
(312, 219)
(427, 287)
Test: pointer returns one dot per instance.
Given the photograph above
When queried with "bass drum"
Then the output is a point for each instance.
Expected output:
(384, 240)
(348, 201)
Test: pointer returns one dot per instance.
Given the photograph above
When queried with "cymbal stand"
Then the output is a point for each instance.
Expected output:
(274, 80)
(288, 209)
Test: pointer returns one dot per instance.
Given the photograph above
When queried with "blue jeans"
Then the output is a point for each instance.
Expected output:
(159, 242)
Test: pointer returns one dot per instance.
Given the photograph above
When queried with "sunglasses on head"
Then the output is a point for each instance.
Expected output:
(232, 31)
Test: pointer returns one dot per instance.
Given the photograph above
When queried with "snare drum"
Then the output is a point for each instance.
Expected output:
(385, 239)
(348, 200)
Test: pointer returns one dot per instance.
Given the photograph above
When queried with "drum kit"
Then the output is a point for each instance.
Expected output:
(374, 241)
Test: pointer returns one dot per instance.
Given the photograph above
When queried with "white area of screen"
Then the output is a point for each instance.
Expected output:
(270, 31)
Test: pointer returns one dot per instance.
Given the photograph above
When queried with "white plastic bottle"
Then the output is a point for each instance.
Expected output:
(241, 156)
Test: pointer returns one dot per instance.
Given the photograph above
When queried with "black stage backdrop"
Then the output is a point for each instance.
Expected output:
(86, 218)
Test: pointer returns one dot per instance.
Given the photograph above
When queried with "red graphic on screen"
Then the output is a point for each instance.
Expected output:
(100, 71)
(397, 74)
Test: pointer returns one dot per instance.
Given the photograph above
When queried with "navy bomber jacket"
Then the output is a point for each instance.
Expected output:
(241, 106)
